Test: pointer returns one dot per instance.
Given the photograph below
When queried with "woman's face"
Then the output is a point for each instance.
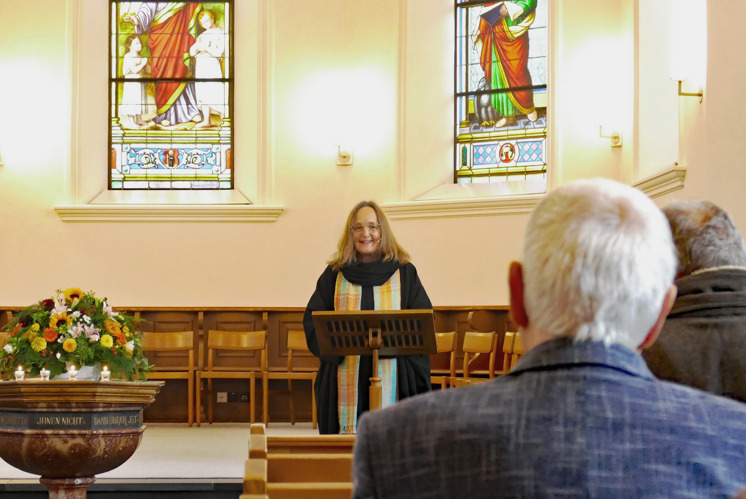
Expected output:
(206, 21)
(366, 234)
(136, 45)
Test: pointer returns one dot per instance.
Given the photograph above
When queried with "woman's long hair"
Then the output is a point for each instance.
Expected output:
(388, 248)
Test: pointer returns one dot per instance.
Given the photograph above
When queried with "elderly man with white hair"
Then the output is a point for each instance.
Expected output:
(580, 415)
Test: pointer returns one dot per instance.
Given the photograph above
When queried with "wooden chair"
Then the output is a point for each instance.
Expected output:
(302, 475)
(475, 344)
(508, 343)
(517, 350)
(226, 344)
(169, 349)
(445, 343)
(296, 343)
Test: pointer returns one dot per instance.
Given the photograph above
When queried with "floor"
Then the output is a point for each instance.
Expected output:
(170, 457)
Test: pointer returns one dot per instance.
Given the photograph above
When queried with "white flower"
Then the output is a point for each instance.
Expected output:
(75, 330)
(86, 319)
(59, 355)
(130, 346)
(59, 308)
(75, 314)
(8, 348)
(92, 332)
(108, 310)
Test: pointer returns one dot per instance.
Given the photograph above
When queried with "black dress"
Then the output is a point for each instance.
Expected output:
(413, 371)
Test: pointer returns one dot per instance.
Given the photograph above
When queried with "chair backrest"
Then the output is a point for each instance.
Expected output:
(476, 343)
(508, 350)
(517, 349)
(243, 341)
(446, 342)
(159, 342)
(296, 343)
(3, 338)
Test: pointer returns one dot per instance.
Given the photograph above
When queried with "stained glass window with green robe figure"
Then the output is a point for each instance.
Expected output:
(501, 91)
(171, 95)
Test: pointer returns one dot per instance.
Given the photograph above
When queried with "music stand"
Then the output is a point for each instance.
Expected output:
(374, 332)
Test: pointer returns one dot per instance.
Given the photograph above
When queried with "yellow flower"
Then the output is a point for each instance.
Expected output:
(107, 341)
(35, 327)
(70, 345)
(126, 330)
(72, 294)
(57, 320)
(38, 344)
(112, 326)
(29, 335)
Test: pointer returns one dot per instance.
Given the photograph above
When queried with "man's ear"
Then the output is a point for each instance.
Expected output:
(515, 284)
(656, 329)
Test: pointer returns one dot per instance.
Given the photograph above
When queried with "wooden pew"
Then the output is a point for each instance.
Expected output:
(284, 467)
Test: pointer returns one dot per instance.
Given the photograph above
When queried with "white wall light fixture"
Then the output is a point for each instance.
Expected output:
(614, 136)
(344, 158)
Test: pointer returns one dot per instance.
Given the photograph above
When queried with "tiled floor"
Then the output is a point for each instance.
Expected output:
(175, 451)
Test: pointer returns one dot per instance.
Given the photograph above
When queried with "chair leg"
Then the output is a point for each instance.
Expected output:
(265, 400)
(198, 396)
(209, 400)
(292, 401)
(314, 416)
(252, 394)
(190, 399)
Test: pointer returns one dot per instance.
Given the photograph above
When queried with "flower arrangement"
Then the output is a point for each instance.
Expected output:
(73, 327)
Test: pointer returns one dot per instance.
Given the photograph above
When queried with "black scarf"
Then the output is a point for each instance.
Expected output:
(370, 274)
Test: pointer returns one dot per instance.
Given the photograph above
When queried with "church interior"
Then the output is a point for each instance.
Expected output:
(312, 78)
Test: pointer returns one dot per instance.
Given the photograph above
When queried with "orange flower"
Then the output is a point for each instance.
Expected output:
(112, 327)
(16, 329)
(121, 339)
(50, 335)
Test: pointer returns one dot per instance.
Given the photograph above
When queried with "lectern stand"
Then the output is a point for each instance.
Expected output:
(375, 332)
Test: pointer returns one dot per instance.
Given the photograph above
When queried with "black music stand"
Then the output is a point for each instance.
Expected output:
(375, 332)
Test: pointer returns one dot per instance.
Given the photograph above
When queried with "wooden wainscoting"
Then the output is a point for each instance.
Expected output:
(171, 403)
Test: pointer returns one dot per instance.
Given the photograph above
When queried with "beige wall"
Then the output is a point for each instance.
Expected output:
(398, 124)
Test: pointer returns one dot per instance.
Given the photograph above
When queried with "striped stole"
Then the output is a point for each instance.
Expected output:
(347, 296)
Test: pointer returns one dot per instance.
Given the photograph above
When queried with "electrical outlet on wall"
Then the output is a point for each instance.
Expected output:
(222, 397)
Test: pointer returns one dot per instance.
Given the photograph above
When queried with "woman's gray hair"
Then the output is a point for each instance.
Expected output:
(598, 259)
(705, 236)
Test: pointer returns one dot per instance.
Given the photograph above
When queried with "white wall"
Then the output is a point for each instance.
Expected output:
(399, 129)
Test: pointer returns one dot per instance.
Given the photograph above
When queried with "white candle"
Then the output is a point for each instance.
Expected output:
(20, 373)
(44, 373)
(72, 373)
(105, 374)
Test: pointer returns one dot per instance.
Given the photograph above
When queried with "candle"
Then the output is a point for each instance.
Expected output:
(44, 373)
(105, 374)
(72, 373)
(20, 373)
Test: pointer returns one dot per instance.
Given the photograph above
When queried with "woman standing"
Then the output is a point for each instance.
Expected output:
(369, 271)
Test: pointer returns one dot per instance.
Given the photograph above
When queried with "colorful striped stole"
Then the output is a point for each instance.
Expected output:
(347, 296)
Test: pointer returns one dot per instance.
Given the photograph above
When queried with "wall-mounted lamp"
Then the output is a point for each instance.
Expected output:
(615, 137)
(699, 94)
(344, 158)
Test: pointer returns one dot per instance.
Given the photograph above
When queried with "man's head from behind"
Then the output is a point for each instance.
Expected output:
(598, 264)
(705, 237)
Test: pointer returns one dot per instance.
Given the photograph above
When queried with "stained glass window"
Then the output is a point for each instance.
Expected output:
(501, 90)
(171, 95)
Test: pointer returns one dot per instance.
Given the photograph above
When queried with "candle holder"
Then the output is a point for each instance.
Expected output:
(72, 373)
(20, 373)
(105, 374)
(44, 373)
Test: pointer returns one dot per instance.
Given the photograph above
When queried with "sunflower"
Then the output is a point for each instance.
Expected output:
(72, 294)
(56, 320)
(70, 345)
